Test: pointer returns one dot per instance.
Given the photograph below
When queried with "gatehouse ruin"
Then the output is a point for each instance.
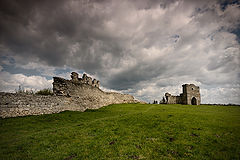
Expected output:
(190, 96)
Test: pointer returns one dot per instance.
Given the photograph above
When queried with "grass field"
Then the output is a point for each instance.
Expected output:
(125, 131)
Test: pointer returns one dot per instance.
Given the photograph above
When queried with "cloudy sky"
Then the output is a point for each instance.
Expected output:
(140, 47)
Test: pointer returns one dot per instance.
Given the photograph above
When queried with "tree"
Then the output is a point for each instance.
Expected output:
(163, 99)
(46, 91)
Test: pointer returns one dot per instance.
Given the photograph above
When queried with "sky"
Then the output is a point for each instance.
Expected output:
(140, 47)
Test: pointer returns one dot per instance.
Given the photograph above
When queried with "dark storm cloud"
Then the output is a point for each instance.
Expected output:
(46, 31)
(21, 34)
(138, 46)
(129, 78)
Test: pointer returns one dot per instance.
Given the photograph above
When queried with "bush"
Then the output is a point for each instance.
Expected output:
(46, 91)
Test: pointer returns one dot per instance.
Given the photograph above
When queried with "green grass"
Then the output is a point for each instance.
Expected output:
(125, 131)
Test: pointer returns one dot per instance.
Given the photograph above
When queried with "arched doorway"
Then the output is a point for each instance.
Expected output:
(194, 101)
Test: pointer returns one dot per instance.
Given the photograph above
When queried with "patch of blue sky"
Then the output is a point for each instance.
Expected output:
(225, 3)
(8, 65)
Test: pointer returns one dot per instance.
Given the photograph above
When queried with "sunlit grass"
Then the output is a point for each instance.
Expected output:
(125, 131)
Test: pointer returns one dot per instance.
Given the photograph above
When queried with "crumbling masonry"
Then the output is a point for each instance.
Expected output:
(190, 95)
(63, 87)
(85, 79)
(77, 94)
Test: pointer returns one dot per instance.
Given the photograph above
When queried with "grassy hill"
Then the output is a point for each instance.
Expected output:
(125, 131)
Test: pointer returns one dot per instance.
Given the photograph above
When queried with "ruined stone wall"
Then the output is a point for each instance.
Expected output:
(68, 95)
(173, 99)
(13, 105)
(87, 94)
(84, 80)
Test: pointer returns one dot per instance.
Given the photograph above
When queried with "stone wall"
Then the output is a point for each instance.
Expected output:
(16, 104)
(13, 104)
(68, 95)
(173, 99)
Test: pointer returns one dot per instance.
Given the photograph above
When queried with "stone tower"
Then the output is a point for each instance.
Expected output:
(191, 94)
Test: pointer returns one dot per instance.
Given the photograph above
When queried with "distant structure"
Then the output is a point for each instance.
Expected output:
(190, 95)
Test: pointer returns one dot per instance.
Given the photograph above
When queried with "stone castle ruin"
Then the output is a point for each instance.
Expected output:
(77, 94)
(190, 96)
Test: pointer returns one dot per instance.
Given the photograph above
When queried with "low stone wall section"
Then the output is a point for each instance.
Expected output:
(73, 95)
(13, 104)
(85, 97)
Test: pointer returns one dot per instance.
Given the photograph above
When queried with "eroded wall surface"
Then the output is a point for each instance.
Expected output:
(68, 95)
(13, 104)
